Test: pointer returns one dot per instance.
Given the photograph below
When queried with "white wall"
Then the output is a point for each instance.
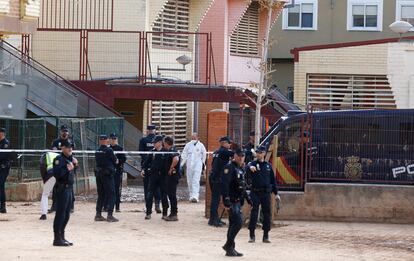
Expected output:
(401, 73)
(242, 71)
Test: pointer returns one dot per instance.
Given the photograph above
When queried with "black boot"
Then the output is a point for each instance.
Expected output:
(43, 217)
(164, 213)
(3, 208)
(252, 237)
(235, 251)
(172, 217)
(99, 217)
(58, 241)
(111, 218)
(64, 239)
(228, 247)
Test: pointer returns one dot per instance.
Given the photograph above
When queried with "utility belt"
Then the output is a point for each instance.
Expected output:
(63, 185)
(260, 190)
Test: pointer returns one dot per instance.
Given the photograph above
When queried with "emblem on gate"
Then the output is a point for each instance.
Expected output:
(353, 169)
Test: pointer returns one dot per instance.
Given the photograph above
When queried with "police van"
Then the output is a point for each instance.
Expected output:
(360, 146)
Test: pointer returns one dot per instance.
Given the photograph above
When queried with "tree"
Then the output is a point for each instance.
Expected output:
(272, 7)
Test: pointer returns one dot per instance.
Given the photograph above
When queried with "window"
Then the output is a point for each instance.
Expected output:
(173, 18)
(301, 16)
(244, 40)
(365, 15)
(405, 11)
(344, 92)
(4, 6)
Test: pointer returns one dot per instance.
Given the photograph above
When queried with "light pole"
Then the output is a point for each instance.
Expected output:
(183, 60)
(401, 27)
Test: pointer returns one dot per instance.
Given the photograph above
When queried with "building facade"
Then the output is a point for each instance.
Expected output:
(376, 74)
(18, 17)
(321, 22)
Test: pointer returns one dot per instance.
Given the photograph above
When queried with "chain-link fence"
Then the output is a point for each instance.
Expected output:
(25, 134)
(35, 134)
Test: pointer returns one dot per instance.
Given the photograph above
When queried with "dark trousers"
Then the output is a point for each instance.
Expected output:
(172, 182)
(157, 194)
(54, 198)
(118, 188)
(215, 201)
(63, 206)
(235, 222)
(106, 190)
(4, 173)
(260, 199)
(157, 182)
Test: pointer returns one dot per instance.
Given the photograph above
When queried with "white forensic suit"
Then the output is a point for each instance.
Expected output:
(194, 156)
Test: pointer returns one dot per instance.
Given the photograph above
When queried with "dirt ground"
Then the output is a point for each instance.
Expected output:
(24, 237)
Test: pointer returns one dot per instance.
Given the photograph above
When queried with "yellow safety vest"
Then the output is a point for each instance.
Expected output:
(50, 157)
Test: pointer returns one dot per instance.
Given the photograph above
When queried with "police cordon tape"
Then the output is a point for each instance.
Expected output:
(133, 152)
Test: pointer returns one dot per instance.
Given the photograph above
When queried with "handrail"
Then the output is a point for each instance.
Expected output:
(58, 77)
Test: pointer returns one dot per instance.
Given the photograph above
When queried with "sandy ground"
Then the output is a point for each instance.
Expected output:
(24, 237)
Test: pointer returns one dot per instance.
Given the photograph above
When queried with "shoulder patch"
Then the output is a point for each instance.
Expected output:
(56, 162)
(226, 171)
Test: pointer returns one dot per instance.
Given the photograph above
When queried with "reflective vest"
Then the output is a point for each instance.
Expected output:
(50, 157)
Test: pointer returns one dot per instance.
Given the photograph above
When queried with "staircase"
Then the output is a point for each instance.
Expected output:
(49, 95)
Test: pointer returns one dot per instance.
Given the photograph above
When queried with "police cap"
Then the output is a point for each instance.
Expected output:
(260, 149)
(151, 127)
(103, 137)
(64, 128)
(3, 130)
(66, 144)
(225, 138)
(113, 136)
(157, 138)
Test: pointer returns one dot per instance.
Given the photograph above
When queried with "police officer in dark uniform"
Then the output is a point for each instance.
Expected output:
(261, 179)
(56, 145)
(154, 166)
(146, 144)
(234, 194)
(221, 158)
(64, 167)
(119, 170)
(248, 147)
(4, 169)
(105, 172)
(172, 176)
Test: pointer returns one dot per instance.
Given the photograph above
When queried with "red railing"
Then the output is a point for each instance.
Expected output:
(147, 57)
(73, 15)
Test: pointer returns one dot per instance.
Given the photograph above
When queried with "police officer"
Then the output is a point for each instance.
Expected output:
(248, 147)
(172, 176)
(262, 180)
(105, 172)
(154, 166)
(119, 170)
(146, 144)
(4, 169)
(63, 136)
(221, 158)
(234, 193)
(64, 172)
(56, 145)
